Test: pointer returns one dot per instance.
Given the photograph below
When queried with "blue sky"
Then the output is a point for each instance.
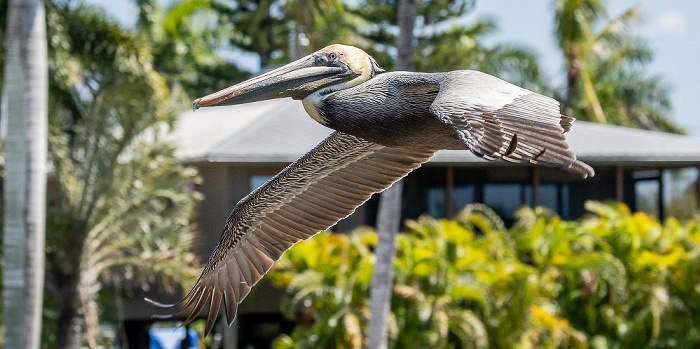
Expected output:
(672, 28)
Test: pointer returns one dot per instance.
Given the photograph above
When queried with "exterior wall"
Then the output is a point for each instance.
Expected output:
(219, 194)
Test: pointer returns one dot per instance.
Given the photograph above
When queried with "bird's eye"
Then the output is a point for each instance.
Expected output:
(332, 56)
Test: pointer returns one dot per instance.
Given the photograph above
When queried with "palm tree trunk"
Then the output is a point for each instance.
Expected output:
(596, 109)
(572, 73)
(407, 20)
(388, 224)
(25, 92)
(88, 288)
(389, 217)
(65, 277)
(70, 321)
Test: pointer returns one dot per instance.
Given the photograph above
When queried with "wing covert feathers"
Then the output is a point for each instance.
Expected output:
(496, 119)
(310, 195)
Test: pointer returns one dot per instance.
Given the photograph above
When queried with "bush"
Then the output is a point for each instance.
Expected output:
(613, 279)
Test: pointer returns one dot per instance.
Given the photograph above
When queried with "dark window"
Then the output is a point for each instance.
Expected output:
(646, 196)
(679, 192)
(463, 195)
(436, 202)
(565, 201)
(505, 199)
(549, 196)
(666, 193)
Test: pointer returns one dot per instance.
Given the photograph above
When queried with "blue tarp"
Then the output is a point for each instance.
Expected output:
(171, 338)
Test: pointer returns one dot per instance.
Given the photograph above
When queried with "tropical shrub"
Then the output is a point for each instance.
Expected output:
(327, 280)
(613, 279)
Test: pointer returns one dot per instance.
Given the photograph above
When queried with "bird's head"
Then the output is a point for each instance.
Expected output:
(331, 68)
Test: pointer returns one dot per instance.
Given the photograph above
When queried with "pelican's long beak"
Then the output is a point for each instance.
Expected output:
(297, 80)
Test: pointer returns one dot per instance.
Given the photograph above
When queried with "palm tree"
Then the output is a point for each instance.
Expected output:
(25, 90)
(606, 82)
(574, 30)
(122, 204)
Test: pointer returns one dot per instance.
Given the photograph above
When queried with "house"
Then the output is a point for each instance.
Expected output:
(238, 148)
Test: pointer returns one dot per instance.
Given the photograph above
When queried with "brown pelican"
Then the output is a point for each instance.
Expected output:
(386, 126)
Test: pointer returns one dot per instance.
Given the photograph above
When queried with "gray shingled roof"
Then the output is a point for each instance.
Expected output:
(280, 131)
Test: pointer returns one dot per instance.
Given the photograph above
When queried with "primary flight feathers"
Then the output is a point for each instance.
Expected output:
(386, 126)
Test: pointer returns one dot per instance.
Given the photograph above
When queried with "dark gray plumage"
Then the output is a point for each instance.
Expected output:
(493, 118)
(386, 126)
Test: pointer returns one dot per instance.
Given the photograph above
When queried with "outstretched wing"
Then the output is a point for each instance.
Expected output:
(308, 196)
(496, 119)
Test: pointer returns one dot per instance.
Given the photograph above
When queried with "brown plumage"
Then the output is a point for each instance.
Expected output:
(386, 126)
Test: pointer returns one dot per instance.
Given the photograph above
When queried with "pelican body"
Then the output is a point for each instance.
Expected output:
(386, 126)
(391, 109)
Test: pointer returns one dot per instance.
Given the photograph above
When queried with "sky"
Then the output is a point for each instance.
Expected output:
(671, 28)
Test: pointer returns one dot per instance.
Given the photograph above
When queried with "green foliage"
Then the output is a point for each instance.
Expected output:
(185, 39)
(267, 27)
(614, 279)
(444, 41)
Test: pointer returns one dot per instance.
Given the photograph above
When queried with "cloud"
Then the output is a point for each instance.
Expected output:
(666, 24)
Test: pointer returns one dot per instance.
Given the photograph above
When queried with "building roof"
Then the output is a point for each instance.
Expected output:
(280, 131)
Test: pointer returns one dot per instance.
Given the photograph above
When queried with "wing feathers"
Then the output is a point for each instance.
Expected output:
(496, 119)
(335, 211)
(234, 278)
(277, 235)
(254, 259)
(275, 247)
(242, 264)
(230, 303)
(310, 195)
(261, 252)
(342, 199)
(198, 303)
(216, 299)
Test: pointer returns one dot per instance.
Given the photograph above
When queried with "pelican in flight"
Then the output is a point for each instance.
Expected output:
(386, 125)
